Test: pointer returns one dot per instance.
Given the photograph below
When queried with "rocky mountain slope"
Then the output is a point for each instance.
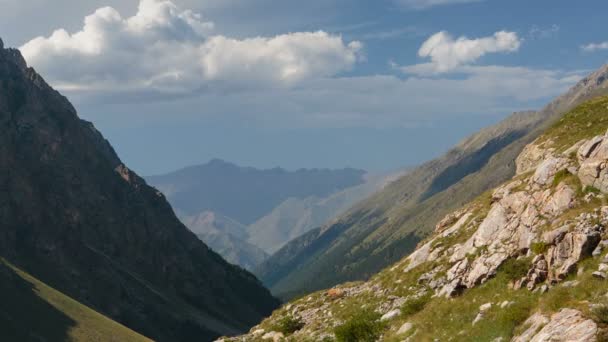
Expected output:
(525, 261)
(388, 225)
(75, 217)
(273, 206)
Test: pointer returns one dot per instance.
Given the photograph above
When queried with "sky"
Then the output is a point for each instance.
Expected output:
(372, 84)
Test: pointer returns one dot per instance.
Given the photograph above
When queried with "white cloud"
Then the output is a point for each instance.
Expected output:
(592, 47)
(168, 49)
(447, 53)
(370, 101)
(424, 4)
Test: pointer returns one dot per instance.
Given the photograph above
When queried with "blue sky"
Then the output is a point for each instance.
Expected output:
(371, 84)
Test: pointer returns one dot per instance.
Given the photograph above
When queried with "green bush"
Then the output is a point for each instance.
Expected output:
(288, 325)
(600, 313)
(514, 269)
(414, 306)
(560, 176)
(592, 189)
(539, 247)
(364, 326)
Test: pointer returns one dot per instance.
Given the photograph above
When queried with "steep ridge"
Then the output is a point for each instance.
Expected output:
(388, 225)
(525, 261)
(75, 217)
(33, 311)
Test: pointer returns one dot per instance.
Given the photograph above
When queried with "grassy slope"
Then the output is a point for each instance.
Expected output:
(387, 226)
(31, 310)
(439, 318)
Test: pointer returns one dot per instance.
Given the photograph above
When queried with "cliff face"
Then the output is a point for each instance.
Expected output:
(74, 216)
(526, 261)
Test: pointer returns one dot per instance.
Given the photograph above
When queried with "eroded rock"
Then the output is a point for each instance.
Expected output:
(566, 325)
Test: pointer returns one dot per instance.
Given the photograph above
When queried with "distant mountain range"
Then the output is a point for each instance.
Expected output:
(246, 214)
(83, 237)
(388, 225)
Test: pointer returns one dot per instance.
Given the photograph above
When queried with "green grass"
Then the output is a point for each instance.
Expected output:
(583, 122)
(451, 319)
(514, 269)
(539, 247)
(31, 309)
(288, 325)
(415, 305)
(588, 290)
(363, 326)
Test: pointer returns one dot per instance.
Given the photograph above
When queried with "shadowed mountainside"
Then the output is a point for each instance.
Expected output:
(75, 217)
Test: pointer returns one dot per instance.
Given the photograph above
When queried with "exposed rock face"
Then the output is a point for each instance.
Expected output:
(564, 326)
(569, 248)
(514, 222)
(593, 156)
(75, 217)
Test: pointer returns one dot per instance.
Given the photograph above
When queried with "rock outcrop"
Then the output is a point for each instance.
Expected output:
(566, 325)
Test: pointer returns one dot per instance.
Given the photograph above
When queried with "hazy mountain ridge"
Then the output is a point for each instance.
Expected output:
(227, 237)
(244, 193)
(295, 217)
(525, 261)
(309, 199)
(388, 225)
(75, 217)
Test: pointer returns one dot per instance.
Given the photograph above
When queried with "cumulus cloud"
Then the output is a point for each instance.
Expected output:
(447, 53)
(424, 4)
(165, 48)
(592, 47)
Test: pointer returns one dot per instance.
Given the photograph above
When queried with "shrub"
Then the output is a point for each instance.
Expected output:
(288, 325)
(539, 247)
(600, 312)
(415, 305)
(364, 326)
(560, 176)
(514, 269)
(592, 189)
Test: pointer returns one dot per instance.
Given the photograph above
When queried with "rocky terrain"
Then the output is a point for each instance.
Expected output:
(75, 217)
(388, 225)
(525, 261)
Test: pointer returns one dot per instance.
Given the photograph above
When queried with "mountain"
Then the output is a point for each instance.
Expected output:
(227, 237)
(297, 216)
(387, 226)
(524, 261)
(246, 194)
(33, 311)
(245, 214)
(75, 217)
